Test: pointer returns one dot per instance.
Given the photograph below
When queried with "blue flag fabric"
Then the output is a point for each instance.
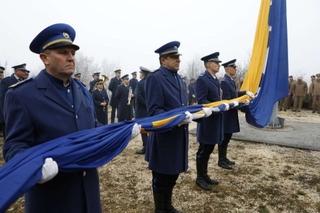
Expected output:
(274, 83)
(85, 149)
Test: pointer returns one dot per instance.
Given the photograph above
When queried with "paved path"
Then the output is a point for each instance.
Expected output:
(295, 134)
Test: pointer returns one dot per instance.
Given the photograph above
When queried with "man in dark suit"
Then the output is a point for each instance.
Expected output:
(192, 92)
(92, 83)
(133, 84)
(114, 83)
(210, 129)
(20, 74)
(123, 96)
(2, 69)
(49, 106)
(231, 121)
(166, 152)
(140, 102)
(101, 100)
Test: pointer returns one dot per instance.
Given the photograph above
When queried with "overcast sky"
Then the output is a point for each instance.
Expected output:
(126, 32)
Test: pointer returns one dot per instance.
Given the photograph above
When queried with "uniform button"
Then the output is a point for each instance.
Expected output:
(72, 106)
(68, 90)
(182, 105)
(76, 116)
(84, 173)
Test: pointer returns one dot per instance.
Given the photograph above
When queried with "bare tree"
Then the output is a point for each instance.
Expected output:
(108, 67)
(194, 68)
(86, 66)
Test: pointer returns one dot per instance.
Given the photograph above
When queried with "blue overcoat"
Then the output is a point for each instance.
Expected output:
(140, 100)
(35, 112)
(210, 129)
(166, 152)
(4, 85)
(230, 117)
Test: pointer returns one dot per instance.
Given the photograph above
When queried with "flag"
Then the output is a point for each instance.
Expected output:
(268, 70)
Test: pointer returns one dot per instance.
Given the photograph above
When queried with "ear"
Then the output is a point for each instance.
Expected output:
(45, 58)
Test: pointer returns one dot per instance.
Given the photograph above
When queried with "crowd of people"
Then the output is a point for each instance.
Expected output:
(300, 95)
(56, 103)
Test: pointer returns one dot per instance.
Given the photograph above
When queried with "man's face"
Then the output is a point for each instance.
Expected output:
(171, 62)
(118, 74)
(231, 70)
(1, 75)
(126, 81)
(22, 74)
(96, 77)
(59, 62)
(213, 66)
(141, 75)
(134, 75)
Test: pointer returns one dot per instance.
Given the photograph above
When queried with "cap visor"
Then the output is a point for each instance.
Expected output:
(62, 45)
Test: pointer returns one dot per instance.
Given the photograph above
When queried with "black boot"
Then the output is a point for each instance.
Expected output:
(170, 207)
(162, 202)
(222, 158)
(206, 176)
(230, 162)
(201, 175)
(159, 202)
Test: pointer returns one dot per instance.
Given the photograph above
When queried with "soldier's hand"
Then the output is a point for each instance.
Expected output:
(49, 170)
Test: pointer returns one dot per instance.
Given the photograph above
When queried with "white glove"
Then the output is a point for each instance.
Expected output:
(49, 170)
(188, 119)
(235, 103)
(227, 107)
(207, 111)
(136, 129)
(250, 94)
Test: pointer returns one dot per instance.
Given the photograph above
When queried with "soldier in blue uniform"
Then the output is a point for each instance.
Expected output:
(210, 129)
(92, 83)
(166, 152)
(77, 76)
(2, 69)
(101, 100)
(140, 102)
(230, 117)
(114, 83)
(20, 74)
(133, 84)
(49, 106)
(192, 92)
(123, 96)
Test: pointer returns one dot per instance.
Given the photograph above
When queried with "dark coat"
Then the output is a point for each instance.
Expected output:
(114, 83)
(101, 111)
(167, 152)
(92, 84)
(124, 110)
(209, 130)
(35, 112)
(4, 85)
(140, 100)
(230, 118)
(192, 93)
(133, 83)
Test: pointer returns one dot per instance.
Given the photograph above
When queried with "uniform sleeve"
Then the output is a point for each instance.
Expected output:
(226, 95)
(95, 98)
(202, 91)
(139, 94)
(111, 85)
(3, 90)
(18, 128)
(154, 96)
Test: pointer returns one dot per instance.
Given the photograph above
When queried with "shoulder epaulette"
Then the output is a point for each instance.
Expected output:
(20, 83)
